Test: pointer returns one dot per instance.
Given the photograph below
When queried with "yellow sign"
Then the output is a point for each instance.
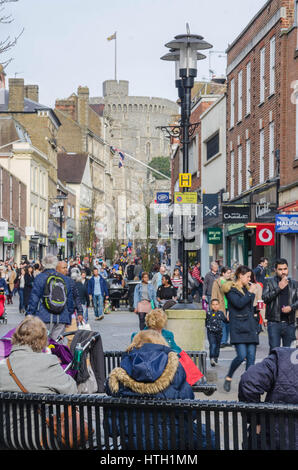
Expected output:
(61, 240)
(185, 198)
(185, 180)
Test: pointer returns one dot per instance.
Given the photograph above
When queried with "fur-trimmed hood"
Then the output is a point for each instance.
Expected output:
(153, 369)
(228, 285)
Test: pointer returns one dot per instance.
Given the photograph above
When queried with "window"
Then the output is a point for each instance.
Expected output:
(271, 150)
(240, 95)
(261, 155)
(248, 164)
(262, 75)
(232, 103)
(248, 86)
(272, 65)
(232, 175)
(240, 169)
(212, 146)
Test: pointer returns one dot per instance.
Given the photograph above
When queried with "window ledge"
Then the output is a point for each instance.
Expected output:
(214, 157)
(261, 104)
(271, 95)
(239, 122)
(247, 115)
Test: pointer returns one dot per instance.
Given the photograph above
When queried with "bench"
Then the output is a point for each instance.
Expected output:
(145, 424)
(113, 359)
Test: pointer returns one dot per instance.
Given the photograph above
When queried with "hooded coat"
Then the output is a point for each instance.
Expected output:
(151, 371)
(243, 326)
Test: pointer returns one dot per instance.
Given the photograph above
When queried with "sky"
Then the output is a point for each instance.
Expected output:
(64, 43)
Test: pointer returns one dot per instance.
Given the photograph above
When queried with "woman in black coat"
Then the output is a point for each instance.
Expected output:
(243, 327)
(29, 280)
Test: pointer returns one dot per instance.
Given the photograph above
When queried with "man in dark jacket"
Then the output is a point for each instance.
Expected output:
(208, 282)
(55, 323)
(260, 270)
(280, 295)
(98, 289)
(277, 375)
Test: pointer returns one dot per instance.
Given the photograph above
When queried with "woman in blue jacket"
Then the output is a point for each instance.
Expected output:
(149, 368)
(144, 299)
(240, 295)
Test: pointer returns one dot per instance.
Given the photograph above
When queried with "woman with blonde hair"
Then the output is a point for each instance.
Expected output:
(37, 372)
(156, 320)
(149, 368)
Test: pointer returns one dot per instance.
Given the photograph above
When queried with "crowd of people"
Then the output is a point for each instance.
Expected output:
(238, 304)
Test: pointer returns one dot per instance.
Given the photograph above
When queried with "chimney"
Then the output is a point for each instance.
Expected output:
(83, 105)
(16, 94)
(31, 92)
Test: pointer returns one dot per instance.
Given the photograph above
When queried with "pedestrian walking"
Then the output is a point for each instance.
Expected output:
(198, 282)
(44, 299)
(280, 295)
(97, 289)
(144, 299)
(208, 282)
(10, 278)
(214, 325)
(260, 270)
(243, 328)
(225, 275)
(29, 280)
(21, 290)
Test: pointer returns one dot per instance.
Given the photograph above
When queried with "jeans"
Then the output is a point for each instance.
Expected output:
(214, 344)
(21, 301)
(85, 313)
(243, 351)
(98, 305)
(278, 331)
(225, 333)
(142, 316)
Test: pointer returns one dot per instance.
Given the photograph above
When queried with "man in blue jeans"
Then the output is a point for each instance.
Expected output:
(280, 295)
(97, 288)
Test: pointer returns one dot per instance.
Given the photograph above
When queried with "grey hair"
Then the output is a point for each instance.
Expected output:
(50, 261)
(76, 274)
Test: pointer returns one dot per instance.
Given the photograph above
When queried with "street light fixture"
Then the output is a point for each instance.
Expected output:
(184, 52)
(60, 205)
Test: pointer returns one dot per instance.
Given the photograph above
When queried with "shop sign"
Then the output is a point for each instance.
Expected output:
(163, 198)
(69, 235)
(265, 235)
(3, 229)
(210, 207)
(214, 236)
(286, 223)
(10, 237)
(264, 205)
(235, 214)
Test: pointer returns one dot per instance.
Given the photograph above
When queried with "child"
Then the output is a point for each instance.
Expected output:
(107, 307)
(214, 319)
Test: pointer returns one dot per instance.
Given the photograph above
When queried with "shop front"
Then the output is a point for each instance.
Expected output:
(287, 228)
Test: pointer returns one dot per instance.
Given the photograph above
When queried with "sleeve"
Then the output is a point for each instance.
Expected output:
(62, 382)
(258, 379)
(35, 297)
(294, 304)
(270, 292)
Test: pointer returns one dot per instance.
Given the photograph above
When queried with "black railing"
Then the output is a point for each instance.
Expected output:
(41, 421)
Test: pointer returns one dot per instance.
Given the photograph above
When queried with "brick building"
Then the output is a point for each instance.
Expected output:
(261, 66)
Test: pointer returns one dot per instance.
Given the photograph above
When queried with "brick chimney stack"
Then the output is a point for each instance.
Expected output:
(83, 105)
(16, 94)
(31, 92)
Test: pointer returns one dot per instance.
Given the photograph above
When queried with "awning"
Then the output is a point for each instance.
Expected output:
(291, 207)
(257, 224)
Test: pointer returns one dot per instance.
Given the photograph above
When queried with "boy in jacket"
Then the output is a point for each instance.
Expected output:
(214, 322)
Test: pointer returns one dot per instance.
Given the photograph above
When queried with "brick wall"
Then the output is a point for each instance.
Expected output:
(19, 196)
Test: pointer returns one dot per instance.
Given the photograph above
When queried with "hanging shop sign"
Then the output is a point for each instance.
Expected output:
(10, 237)
(210, 207)
(286, 223)
(264, 205)
(235, 214)
(214, 235)
(265, 235)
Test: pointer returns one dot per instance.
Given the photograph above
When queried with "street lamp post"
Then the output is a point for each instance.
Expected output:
(184, 52)
(60, 204)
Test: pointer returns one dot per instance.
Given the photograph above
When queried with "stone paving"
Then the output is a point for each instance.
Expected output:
(117, 327)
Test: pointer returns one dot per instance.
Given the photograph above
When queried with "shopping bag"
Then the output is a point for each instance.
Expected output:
(84, 326)
(193, 373)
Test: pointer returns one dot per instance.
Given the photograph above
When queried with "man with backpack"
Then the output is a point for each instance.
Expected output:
(51, 298)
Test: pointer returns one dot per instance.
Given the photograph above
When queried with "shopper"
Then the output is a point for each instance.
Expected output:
(210, 277)
(260, 270)
(225, 275)
(243, 328)
(280, 295)
(214, 321)
(98, 290)
(144, 299)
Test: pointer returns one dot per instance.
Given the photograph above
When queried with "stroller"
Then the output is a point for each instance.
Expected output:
(3, 314)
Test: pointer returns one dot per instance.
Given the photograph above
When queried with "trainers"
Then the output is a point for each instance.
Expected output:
(227, 385)
(212, 362)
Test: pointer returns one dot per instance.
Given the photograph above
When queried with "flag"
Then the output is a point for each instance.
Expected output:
(112, 37)
(121, 159)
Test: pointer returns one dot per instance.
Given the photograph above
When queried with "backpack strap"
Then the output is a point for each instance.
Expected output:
(14, 377)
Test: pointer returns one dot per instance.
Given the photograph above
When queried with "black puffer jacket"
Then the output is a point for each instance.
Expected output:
(270, 296)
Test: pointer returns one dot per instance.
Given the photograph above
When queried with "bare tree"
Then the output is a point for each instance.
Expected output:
(8, 43)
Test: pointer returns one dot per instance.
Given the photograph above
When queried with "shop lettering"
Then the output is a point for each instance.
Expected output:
(262, 208)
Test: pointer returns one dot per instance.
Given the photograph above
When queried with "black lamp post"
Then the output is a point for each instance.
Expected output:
(60, 204)
(184, 52)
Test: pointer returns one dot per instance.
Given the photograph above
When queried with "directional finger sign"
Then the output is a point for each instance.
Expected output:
(185, 180)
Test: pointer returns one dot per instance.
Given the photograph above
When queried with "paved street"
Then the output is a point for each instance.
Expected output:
(116, 330)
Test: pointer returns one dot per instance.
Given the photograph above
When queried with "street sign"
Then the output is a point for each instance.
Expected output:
(185, 180)
(10, 237)
(265, 235)
(286, 223)
(185, 198)
(60, 241)
(162, 198)
(214, 235)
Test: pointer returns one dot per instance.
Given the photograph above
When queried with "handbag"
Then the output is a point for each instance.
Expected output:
(54, 417)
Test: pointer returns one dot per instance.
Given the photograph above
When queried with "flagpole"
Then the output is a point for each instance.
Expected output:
(116, 55)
